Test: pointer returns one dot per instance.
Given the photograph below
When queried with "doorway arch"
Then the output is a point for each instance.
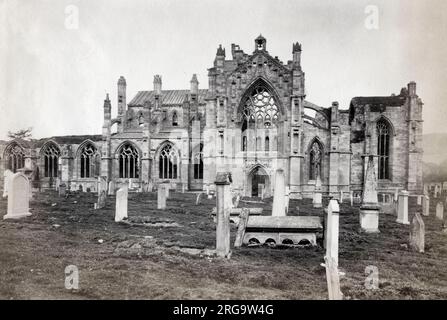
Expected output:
(256, 176)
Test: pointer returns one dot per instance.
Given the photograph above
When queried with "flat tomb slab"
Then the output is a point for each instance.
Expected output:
(289, 222)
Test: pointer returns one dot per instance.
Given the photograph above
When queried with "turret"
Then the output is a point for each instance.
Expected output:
(121, 95)
(260, 43)
(296, 51)
(107, 118)
(157, 85)
(220, 57)
(194, 85)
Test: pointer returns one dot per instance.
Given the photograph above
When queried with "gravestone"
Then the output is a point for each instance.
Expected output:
(236, 202)
(279, 205)
(223, 181)
(369, 210)
(161, 196)
(18, 197)
(260, 190)
(243, 220)
(440, 210)
(417, 234)
(333, 279)
(341, 196)
(101, 200)
(7, 175)
(111, 188)
(402, 208)
(62, 190)
(317, 197)
(58, 183)
(121, 204)
(332, 230)
(426, 205)
(199, 196)
(351, 196)
(419, 200)
(396, 194)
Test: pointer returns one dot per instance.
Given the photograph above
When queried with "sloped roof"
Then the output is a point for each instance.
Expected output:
(389, 101)
(168, 97)
(68, 139)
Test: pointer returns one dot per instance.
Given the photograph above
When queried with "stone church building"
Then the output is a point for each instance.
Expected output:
(253, 119)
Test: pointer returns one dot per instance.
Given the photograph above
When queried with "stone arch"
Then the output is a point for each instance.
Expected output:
(50, 153)
(383, 138)
(315, 158)
(88, 160)
(128, 156)
(255, 176)
(14, 156)
(168, 160)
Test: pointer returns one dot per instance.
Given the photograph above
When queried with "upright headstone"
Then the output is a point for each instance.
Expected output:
(161, 196)
(223, 180)
(402, 208)
(58, 182)
(279, 205)
(243, 220)
(18, 197)
(396, 194)
(7, 175)
(236, 201)
(417, 233)
(341, 196)
(101, 200)
(440, 210)
(62, 190)
(333, 279)
(121, 204)
(351, 196)
(111, 188)
(317, 197)
(369, 210)
(332, 230)
(426, 205)
(260, 190)
(287, 199)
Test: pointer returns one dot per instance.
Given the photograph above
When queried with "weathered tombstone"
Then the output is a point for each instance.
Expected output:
(341, 196)
(7, 175)
(440, 210)
(402, 209)
(279, 206)
(101, 200)
(333, 279)
(426, 205)
(121, 204)
(111, 188)
(62, 190)
(161, 196)
(332, 230)
(243, 220)
(317, 197)
(396, 194)
(18, 197)
(58, 182)
(183, 187)
(369, 210)
(167, 189)
(351, 195)
(199, 196)
(417, 233)
(223, 180)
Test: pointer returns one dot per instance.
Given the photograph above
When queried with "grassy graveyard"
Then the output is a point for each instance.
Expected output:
(167, 254)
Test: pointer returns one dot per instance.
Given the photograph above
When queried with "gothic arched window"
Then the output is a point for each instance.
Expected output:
(129, 162)
(267, 144)
(315, 159)
(51, 155)
(174, 119)
(14, 157)
(198, 164)
(383, 149)
(88, 161)
(168, 163)
(244, 143)
(261, 108)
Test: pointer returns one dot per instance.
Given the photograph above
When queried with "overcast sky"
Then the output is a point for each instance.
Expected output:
(54, 76)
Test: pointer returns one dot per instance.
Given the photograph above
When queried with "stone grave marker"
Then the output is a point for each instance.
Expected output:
(333, 279)
(417, 234)
(426, 205)
(161, 196)
(18, 197)
(121, 204)
(101, 200)
(332, 230)
(369, 210)
(440, 210)
(223, 181)
(243, 220)
(402, 208)
(279, 205)
(199, 196)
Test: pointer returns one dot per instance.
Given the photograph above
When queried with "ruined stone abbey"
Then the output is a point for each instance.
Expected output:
(253, 119)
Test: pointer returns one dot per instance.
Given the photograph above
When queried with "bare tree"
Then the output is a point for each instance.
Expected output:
(21, 134)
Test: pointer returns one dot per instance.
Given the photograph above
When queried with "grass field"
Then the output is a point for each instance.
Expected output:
(168, 254)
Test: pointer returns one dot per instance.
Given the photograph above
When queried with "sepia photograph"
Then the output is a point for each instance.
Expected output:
(223, 155)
